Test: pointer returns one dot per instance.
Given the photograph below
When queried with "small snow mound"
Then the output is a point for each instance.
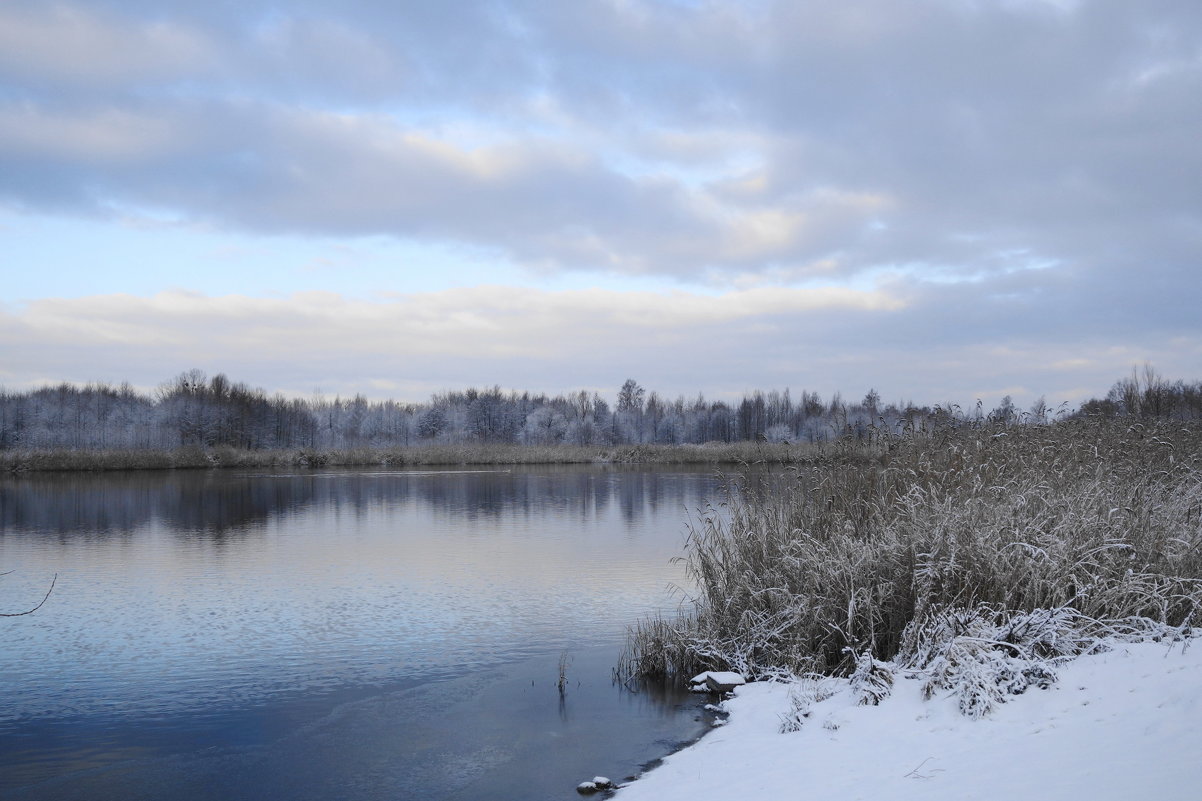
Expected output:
(716, 681)
(596, 785)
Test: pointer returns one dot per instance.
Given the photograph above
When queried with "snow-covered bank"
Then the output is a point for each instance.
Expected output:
(1119, 725)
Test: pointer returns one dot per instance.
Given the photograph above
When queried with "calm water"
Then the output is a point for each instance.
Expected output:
(341, 634)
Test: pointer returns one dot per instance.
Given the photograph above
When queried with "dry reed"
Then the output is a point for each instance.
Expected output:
(869, 549)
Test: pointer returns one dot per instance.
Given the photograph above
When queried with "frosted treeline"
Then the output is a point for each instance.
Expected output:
(195, 410)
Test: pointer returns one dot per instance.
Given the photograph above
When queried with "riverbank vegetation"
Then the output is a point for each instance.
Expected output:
(193, 457)
(195, 421)
(980, 553)
(196, 411)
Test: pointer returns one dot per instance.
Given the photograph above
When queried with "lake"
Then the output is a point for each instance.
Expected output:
(342, 634)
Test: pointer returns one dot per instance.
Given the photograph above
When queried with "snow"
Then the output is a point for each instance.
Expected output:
(597, 784)
(718, 676)
(716, 681)
(1119, 725)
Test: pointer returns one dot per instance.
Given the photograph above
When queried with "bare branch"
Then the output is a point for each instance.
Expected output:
(36, 608)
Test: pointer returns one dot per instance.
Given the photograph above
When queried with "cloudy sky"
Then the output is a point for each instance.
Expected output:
(942, 199)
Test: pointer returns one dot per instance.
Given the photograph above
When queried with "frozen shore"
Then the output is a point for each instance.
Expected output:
(1119, 725)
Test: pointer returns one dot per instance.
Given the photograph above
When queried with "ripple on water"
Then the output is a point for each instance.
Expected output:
(217, 610)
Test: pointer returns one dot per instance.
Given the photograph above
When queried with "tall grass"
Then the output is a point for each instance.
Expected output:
(870, 549)
(457, 454)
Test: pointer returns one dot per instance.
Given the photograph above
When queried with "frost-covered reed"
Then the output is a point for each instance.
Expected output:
(907, 543)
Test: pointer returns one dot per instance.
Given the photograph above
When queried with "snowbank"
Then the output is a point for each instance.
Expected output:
(1120, 725)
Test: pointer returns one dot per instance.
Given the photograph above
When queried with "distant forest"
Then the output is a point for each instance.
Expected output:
(195, 410)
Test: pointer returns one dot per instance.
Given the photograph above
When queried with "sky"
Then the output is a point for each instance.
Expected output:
(943, 200)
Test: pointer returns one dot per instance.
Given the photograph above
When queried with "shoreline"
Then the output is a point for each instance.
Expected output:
(196, 458)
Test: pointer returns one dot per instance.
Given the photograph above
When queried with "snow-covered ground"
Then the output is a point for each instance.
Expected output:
(1126, 724)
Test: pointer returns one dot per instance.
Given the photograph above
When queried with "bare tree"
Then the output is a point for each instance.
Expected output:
(630, 396)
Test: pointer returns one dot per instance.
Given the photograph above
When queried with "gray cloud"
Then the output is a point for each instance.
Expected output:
(1019, 172)
(301, 171)
(987, 127)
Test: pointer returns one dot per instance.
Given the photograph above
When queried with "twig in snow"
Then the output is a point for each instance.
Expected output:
(914, 774)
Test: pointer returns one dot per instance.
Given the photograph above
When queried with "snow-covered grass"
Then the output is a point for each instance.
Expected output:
(903, 546)
(1122, 724)
(990, 613)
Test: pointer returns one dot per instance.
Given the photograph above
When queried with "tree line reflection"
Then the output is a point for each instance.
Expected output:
(218, 503)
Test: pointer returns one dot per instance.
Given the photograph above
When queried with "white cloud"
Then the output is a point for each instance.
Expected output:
(678, 343)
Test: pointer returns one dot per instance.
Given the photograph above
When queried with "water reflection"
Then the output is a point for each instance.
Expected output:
(259, 614)
(218, 502)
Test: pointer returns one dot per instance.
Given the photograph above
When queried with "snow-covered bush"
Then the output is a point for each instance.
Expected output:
(871, 681)
(982, 657)
(804, 693)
